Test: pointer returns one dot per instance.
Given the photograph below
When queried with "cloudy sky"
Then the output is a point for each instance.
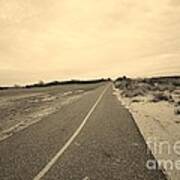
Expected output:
(64, 39)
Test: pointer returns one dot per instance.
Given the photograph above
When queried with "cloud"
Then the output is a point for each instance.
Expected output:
(75, 38)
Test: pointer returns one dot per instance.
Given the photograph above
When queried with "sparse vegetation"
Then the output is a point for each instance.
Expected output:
(177, 107)
(156, 89)
(177, 104)
(156, 86)
(177, 111)
(161, 96)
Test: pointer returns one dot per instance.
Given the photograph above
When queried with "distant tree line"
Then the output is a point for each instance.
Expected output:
(56, 83)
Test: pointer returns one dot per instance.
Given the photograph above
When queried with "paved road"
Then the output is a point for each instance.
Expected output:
(94, 138)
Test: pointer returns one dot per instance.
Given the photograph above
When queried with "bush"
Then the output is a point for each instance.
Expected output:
(165, 87)
(177, 104)
(177, 111)
(136, 100)
(162, 97)
(141, 87)
(133, 92)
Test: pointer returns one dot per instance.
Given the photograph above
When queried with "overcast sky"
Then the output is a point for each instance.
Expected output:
(64, 39)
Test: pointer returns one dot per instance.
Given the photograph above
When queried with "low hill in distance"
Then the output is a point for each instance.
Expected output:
(57, 83)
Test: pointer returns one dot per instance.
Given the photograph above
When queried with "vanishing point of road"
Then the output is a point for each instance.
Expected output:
(93, 138)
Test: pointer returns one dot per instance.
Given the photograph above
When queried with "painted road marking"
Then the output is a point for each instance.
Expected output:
(68, 143)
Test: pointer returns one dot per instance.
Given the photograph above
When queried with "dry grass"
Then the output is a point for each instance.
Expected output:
(159, 89)
(177, 104)
(140, 87)
(177, 111)
(177, 108)
(161, 96)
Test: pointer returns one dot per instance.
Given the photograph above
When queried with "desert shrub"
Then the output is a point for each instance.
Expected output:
(177, 104)
(176, 82)
(117, 84)
(160, 96)
(165, 87)
(133, 92)
(136, 100)
(147, 87)
(177, 111)
(132, 88)
(171, 88)
(177, 92)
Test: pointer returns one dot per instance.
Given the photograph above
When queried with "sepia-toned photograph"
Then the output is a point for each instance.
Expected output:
(89, 90)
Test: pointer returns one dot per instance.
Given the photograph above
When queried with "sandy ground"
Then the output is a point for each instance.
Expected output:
(159, 125)
(21, 108)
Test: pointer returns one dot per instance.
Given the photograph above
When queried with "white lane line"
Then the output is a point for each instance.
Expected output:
(68, 143)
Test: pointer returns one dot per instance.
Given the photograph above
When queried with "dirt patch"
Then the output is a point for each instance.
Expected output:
(19, 112)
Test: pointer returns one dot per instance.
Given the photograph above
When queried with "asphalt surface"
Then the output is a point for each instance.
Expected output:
(108, 147)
